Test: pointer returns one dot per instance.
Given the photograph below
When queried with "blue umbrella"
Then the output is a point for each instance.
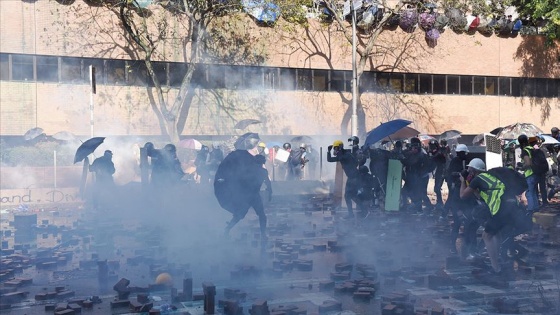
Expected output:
(385, 130)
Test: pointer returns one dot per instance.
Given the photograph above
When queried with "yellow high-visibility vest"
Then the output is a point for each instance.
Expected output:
(493, 196)
(528, 172)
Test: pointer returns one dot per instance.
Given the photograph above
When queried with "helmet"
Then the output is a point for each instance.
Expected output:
(286, 146)
(477, 164)
(416, 141)
(554, 130)
(262, 144)
(338, 143)
(355, 140)
(303, 146)
(434, 143)
(108, 153)
(443, 142)
(462, 148)
(522, 139)
(170, 147)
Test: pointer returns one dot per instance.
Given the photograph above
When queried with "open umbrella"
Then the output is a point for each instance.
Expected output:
(450, 134)
(87, 148)
(192, 144)
(495, 131)
(478, 139)
(304, 139)
(385, 130)
(240, 143)
(515, 130)
(425, 139)
(64, 136)
(33, 133)
(549, 140)
(242, 124)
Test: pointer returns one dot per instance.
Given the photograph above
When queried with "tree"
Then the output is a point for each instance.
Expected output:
(543, 13)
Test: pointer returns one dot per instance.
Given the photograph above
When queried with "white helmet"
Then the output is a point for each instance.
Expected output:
(462, 148)
(477, 164)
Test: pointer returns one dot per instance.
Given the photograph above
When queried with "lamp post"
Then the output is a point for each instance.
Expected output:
(354, 119)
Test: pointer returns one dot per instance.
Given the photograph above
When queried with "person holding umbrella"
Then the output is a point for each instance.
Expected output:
(104, 168)
(349, 164)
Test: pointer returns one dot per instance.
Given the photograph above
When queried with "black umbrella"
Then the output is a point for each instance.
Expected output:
(241, 143)
(496, 130)
(64, 136)
(33, 133)
(87, 148)
(242, 124)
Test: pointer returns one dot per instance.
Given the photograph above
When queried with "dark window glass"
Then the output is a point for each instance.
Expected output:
(396, 82)
(367, 82)
(116, 72)
(439, 84)
(453, 84)
(320, 80)
(348, 81)
(410, 83)
(304, 79)
(478, 86)
(177, 72)
(47, 68)
(99, 65)
(22, 68)
(466, 85)
(287, 79)
(160, 70)
(253, 78)
(71, 70)
(527, 87)
(425, 84)
(216, 76)
(383, 79)
(504, 86)
(516, 86)
(555, 90)
(270, 78)
(234, 77)
(4, 67)
(137, 73)
(338, 82)
(491, 86)
(540, 87)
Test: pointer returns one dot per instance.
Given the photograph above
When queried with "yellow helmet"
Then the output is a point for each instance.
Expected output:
(338, 143)
(262, 144)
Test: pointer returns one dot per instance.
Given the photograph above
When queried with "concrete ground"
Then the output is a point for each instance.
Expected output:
(314, 261)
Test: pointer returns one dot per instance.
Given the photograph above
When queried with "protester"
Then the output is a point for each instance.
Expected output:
(297, 161)
(349, 164)
(238, 181)
(526, 154)
(437, 155)
(104, 168)
(200, 162)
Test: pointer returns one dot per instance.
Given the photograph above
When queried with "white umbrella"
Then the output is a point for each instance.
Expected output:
(549, 140)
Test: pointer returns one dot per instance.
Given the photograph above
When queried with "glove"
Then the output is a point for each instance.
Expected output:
(465, 174)
(329, 147)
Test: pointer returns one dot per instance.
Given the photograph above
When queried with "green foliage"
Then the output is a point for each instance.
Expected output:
(295, 11)
(41, 154)
(549, 10)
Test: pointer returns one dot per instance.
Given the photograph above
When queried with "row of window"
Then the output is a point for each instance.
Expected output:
(73, 70)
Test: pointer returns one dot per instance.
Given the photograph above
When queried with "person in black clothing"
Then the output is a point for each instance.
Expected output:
(201, 166)
(365, 192)
(437, 154)
(215, 157)
(104, 168)
(416, 172)
(297, 161)
(349, 164)
(238, 181)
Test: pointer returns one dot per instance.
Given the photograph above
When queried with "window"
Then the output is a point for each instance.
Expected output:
(338, 82)
(453, 86)
(160, 71)
(320, 80)
(410, 83)
(504, 86)
(137, 73)
(540, 87)
(425, 84)
(177, 72)
(233, 77)
(478, 86)
(516, 86)
(466, 85)
(396, 82)
(253, 78)
(47, 68)
(382, 79)
(439, 85)
(22, 68)
(527, 87)
(491, 86)
(367, 82)
(71, 70)
(287, 79)
(99, 65)
(554, 90)
(116, 72)
(270, 76)
(304, 79)
(216, 76)
(4, 67)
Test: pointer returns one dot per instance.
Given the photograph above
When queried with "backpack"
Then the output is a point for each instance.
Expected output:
(514, 181)
(295, 157)
(539, 164)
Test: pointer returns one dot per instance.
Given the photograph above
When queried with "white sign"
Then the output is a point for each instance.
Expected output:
(282, 155)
